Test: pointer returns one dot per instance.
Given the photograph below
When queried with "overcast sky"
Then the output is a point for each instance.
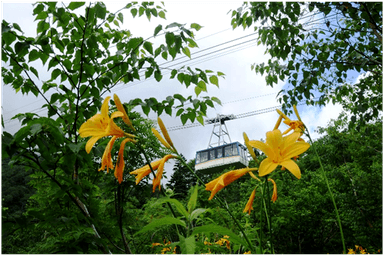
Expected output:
(241, 91)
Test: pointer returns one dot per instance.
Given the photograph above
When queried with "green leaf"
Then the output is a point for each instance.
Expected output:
(162, 14)
(55, 73)
(202, 85)
(169, 38)
(192, 201)
(187, 245)
(33, 55)
(164, 55)
(196, 26)
(197, 90)
(35, 128)
(148, 46)
(74, 5)
(158, 29)
(134, 12)
(8, 38)
(100, 10)
(200, 119)
(120, 17)
(184, 118)
(34, 71)
(146, 109)
(187, 52)
(179, 206)
(197, 212)
(216, 100)
(155, 224)
(158, 75)
(220, 230)
(214, 80)
(172, 25)
(75, 148)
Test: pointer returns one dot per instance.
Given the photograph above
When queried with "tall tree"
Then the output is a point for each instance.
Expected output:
(182, 180)
(76, 50)
(314, 46)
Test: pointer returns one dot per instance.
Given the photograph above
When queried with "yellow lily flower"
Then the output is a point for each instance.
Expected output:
(279, 151)
(296, 126)
(122, 110)
(248, 208)
(102, 125)
(224, 180)
(146, 170)
(106, 160)
(274, 195)
(167, 142)
(250, 149)
(120, 161)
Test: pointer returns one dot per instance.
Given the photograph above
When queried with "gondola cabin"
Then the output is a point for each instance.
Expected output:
(216, 159)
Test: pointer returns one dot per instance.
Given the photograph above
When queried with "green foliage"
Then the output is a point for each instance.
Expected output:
(303, 216)
(55, 200)
(317, 60)
(181, 180)
(74, 208)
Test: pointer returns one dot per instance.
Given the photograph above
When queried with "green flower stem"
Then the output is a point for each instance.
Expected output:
(261, 221)
(330, 192)
(220, 201)
(162, 191)
(267, 208)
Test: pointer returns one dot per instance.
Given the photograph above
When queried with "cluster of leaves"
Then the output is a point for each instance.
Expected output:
(74, 208)
(304, 219)
(316, 60)
(77, 52)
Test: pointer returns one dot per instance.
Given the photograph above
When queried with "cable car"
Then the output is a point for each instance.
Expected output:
(218, 158)
(224, 155)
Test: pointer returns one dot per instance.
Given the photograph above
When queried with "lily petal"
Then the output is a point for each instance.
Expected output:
(225, 179)
(267, 150)
(248, 208)
(120, 107)
(91, 142)
(120, 161)
(105, 107)
(291, 166)
(266, 167)
(274, 138)
(106, 160)
(295, 149)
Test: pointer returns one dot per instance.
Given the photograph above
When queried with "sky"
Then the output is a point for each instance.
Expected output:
(241, 91)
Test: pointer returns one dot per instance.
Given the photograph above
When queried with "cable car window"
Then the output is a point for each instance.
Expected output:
(198, 158)
(235, 152)
(228, 151)
(219, 152)
(204, 156)
(212, 154)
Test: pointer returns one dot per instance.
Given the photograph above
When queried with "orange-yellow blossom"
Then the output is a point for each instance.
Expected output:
(248, 208)
(167, 138)
(279, 151)
(120, 161)
(102, 125)
(274, 194)
(296, 125)
(106, 160)
(250, 149)
(122, 110)
(161, 139)
(225, 179)
(146, 170)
